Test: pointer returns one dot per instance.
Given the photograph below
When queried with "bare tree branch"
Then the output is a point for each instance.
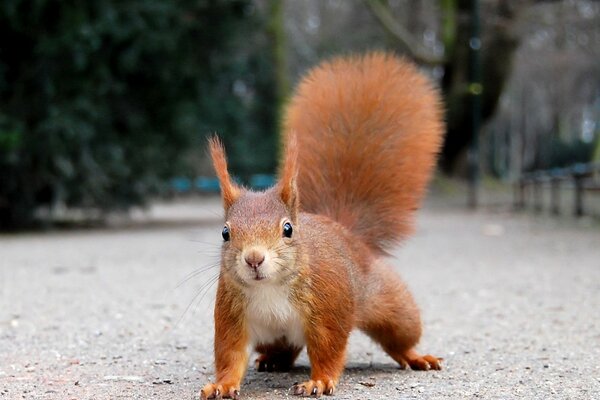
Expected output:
(382, 12)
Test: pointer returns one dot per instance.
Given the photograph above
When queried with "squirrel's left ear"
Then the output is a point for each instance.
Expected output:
(229, 190)
(289, 172)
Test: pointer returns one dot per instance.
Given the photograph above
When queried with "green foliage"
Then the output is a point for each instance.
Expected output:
(100, 102)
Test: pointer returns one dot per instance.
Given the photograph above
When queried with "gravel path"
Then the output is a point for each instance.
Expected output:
(511, 302)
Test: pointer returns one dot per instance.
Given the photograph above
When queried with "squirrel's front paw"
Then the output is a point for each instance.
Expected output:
(314, 388)
(219, 391)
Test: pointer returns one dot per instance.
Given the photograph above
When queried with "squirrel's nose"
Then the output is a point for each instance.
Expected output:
(254, 259)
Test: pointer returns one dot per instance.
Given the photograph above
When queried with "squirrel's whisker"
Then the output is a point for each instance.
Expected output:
(197, 272)
(203, 289)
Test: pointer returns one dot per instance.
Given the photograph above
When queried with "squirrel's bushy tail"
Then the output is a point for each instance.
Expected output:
(368, 129)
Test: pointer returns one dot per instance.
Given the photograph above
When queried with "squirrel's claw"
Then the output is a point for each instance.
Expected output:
(313, 388)
(265, 365)
(214, 391)
(425, 363)
(271, 363)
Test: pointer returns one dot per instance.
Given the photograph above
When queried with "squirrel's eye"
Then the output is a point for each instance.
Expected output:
(225, 234)
(287, 230)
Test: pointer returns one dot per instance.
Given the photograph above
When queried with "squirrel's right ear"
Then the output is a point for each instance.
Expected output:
(288, 189)
(229, 191)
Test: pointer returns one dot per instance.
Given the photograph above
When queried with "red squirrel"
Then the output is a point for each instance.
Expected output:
(303, 263)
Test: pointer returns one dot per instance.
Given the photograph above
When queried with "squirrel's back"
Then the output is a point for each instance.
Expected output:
(368, 129)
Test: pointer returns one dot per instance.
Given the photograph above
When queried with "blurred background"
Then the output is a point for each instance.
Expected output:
(107, 104)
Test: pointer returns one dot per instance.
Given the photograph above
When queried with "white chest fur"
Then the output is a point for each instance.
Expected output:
(271, 315)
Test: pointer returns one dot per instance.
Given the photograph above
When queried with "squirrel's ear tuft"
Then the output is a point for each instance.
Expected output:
(229, 191)
(289, 172)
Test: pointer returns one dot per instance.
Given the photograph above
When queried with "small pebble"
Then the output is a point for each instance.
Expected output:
(125, 378)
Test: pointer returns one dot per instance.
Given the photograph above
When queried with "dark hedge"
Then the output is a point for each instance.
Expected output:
(101, 102)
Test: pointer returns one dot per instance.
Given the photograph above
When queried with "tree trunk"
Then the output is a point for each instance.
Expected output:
(276, 32)
(498, 47)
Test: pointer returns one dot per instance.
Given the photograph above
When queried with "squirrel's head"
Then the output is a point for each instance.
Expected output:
(260, 227)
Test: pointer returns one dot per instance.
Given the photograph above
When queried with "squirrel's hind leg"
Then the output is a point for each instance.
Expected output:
(278, 356)
(390, 316)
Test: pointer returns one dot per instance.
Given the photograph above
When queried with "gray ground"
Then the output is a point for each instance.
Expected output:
(511, 302)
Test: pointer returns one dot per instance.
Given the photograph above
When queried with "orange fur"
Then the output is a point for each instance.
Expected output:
(304, 261)
(231, 340)
(287, 182)
(369, 129)
(229, 191)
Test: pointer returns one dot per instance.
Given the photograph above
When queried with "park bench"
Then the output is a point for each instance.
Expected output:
(583, 177)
